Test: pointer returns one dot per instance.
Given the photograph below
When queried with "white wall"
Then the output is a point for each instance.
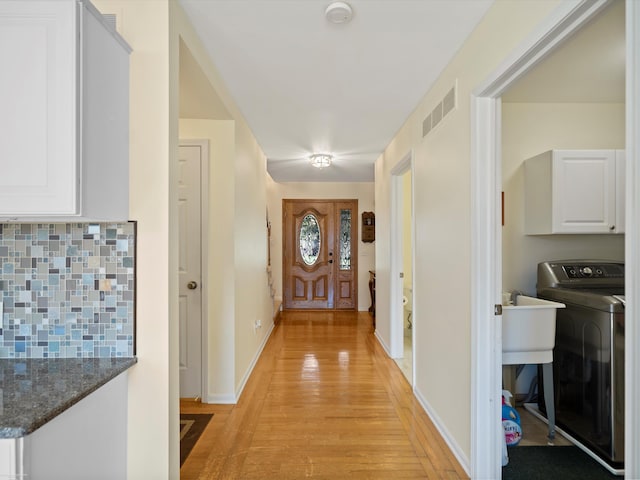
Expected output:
(442, 211)
(363, 192)
(253, 299)
(530, 129)
(152, 439)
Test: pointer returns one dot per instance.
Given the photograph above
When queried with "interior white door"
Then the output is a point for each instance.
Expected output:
(189, 268)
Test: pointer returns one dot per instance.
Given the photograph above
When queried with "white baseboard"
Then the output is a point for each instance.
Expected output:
(221, 399)
(247, 374)
(231, 399)
(448, 438)
(382, 344)
(277, 305)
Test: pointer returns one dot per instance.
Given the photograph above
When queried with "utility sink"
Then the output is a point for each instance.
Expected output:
(529, 330)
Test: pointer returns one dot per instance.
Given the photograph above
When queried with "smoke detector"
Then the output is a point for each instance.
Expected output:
(339, 12)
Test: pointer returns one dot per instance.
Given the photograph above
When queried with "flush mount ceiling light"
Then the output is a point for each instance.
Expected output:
(320, 160)
(339, 12)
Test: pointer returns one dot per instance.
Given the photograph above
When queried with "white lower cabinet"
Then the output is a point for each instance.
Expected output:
(64, 121)
(87, 441)
(575, 191)
(12, 459)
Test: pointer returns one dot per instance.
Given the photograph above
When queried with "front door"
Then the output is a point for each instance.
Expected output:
(319, 257)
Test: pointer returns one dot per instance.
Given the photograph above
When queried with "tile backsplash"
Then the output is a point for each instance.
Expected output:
(68, 290)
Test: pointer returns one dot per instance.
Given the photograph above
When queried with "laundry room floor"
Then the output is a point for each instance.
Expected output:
(534, 430)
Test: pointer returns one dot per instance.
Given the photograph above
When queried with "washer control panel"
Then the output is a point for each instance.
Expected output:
(612, 270)
(580, 274)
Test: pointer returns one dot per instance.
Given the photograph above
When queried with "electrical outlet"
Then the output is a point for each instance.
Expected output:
(257, 324)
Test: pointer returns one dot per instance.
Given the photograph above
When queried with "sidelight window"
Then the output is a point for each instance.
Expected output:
(345, 239)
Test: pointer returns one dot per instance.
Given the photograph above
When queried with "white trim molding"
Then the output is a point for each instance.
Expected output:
(384, 346)
(486, 328)
(632, 242)
(247, 374)
(396, 283)
(221, 399)
(449, 439)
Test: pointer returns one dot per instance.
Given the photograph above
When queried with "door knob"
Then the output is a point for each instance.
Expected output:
(192, 285)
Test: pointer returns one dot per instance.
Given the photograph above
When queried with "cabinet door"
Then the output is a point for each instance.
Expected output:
(12, 458)
(584, 191)
(38, 157)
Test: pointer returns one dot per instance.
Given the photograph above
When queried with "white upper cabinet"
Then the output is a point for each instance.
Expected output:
(64, 113)
(575, 191)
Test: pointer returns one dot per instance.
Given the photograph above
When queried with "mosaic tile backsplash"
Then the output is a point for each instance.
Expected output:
(68, 290)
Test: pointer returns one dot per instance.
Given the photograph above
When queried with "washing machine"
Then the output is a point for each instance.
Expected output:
(588, 358)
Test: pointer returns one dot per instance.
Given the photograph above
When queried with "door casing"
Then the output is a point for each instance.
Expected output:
(396, 339)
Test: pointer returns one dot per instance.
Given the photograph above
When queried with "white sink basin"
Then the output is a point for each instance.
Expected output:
(529, 330)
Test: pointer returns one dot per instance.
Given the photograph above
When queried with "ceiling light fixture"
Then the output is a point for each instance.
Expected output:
(321, 160)
(339, 12)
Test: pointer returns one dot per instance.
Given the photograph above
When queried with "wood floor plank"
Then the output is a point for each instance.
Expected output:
(325, 402)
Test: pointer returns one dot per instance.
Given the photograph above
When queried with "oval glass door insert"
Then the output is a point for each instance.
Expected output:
(309, 239)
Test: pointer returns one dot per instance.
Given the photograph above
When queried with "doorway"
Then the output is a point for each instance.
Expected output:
(403, 317)
(192, 196)
(320, 259)
(486, 213)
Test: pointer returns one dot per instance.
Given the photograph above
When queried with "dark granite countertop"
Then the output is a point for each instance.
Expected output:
(33, 391)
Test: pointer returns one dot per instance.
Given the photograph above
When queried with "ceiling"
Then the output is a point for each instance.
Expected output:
(305, 85)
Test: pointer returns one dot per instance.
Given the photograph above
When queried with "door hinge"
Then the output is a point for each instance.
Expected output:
(497, 309)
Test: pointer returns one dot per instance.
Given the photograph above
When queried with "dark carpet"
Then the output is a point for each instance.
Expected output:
(191, 427)
(545, 463)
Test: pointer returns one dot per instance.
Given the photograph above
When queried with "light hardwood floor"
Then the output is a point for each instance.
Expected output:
(324, 401)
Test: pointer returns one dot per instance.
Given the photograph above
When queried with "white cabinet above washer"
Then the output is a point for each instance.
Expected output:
(574, 191)
(64, 122)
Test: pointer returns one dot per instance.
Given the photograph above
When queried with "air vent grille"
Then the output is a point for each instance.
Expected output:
(436, 115)
(426, 125)
(440, 111)
(449, 102)
(111, 20)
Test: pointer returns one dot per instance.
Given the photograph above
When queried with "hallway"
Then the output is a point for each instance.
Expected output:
(324, 401)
